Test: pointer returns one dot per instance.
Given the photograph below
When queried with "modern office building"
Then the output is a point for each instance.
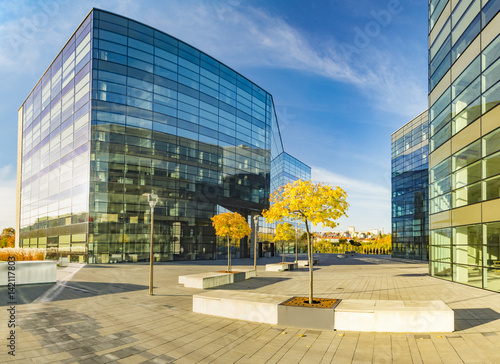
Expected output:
(464, 152)
(410, 226)
(123, 110)
(285, 169)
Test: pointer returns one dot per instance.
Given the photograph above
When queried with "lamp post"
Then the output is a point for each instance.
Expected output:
(152, 199)
(256, 224)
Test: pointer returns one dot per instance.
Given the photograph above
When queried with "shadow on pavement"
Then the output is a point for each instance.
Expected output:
(252, 283)
(466, 318)
(72, 290)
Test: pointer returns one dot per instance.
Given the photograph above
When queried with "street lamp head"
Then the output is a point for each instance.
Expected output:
(152, 199)
(256, 219)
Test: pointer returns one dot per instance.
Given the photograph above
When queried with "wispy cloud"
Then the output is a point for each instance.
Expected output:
(245, 36)
(369, 203)
(236, 33)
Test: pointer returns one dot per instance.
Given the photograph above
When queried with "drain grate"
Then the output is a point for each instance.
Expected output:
(422, 336)
(489, 333)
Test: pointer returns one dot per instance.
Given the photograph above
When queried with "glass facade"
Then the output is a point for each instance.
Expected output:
(285, 169)
(464, 161)
(410, 150)
(132, 111)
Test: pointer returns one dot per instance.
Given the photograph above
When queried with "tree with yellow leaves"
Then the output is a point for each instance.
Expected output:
(8, 238)
(284, 232)
(230, 225)
(309, 203)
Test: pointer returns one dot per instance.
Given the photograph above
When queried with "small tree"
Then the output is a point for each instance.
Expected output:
(230, 225)
(309, 203)
(284, 232)
(8, 238)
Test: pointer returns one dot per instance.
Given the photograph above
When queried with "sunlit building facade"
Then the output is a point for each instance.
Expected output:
(124, 110)
(410, 226)
(464, 159)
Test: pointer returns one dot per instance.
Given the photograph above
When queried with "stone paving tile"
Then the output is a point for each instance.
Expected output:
(118, 322)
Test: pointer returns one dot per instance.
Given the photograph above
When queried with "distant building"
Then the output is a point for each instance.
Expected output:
(410, 149)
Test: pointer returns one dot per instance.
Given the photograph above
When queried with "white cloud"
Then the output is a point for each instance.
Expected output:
(234, 32)
(369, 203)
(244, 36)
(7, 196)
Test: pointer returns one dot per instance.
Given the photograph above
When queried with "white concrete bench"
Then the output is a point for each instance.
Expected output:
(214, 279)
(28, 272)
(246, 306)
(280, 267)
(348, 315)
(394, 316)
(305, 263)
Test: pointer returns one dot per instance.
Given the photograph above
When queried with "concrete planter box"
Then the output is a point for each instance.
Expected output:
(280, 267)
(214, 279)
(30, 272)
(306, 317)
(394, 316)
(346, 315)
(63, 261)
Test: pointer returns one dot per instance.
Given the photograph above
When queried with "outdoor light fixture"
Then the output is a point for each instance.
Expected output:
(152, 199)
(256, 223)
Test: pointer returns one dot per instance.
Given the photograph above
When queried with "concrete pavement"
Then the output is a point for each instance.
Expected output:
(103, 314)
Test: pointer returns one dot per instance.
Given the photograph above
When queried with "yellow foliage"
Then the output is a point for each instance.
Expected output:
(231, 224)
(308, 202)
(21, 254)
(284, 232)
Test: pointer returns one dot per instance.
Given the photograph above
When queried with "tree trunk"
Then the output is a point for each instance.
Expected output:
(309, 253)
(283, 250)
(228, 254)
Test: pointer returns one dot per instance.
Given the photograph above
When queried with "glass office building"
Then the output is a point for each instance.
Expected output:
(410, 150)
(124, 110)
(464, 159)
(285, 169)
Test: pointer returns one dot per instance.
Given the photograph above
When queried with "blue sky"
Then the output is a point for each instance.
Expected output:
(344, 75)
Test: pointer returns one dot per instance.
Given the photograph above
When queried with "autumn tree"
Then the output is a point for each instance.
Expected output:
(8, 238)
(230, 225)
(284, 233)
(309, 203)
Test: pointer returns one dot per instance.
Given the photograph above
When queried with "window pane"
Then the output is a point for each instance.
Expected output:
(467, 195)
(491, 165)
(491, 142)
(467, 155)
(492, 188)
(467, 175)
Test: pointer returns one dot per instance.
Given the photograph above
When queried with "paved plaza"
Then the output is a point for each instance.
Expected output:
(102, 313)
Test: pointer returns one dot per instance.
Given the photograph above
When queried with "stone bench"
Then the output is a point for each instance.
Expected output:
(348, 315)
(214, 279)
(394, 316)
(280, 267)
(305, 263)
(246, 306)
